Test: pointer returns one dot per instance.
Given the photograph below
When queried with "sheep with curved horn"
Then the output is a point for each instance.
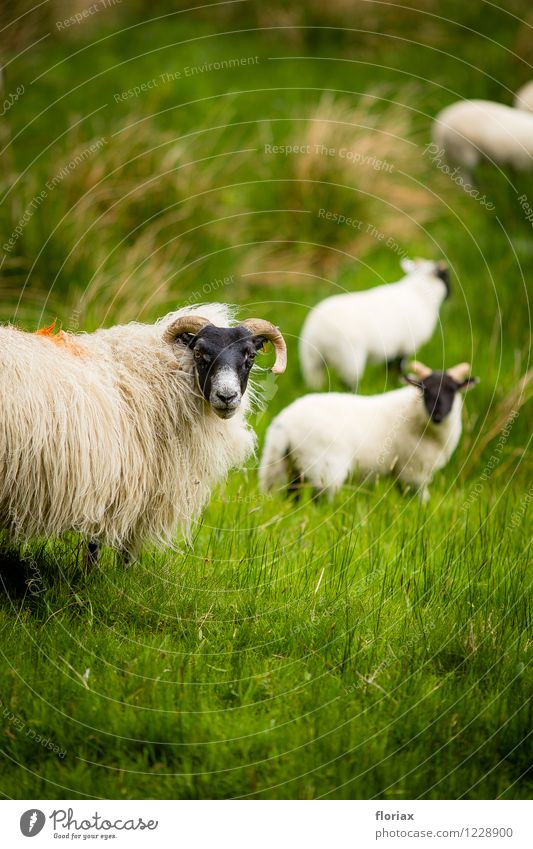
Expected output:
(121, 434)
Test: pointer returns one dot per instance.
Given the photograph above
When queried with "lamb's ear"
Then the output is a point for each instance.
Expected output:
(407, 265)
(459, 372)
(412, 380)
(419, 369)
(418, 372)
(468, 383)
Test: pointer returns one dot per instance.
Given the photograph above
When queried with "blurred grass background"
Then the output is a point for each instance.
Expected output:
(356, 649)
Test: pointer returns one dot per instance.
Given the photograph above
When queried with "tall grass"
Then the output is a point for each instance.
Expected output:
(362, 162)
(143, 201)
(351, 650)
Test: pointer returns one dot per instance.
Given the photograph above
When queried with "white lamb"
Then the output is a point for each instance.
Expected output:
(523, 98)
(471, 130)
(409, 434)
(121, 434)
(382, 324)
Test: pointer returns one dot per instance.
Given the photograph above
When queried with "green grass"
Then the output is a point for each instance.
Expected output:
(359, 648)
(356, 649)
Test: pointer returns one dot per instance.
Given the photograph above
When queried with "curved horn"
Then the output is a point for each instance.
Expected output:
(459, 372)
(260, 327)
(419, 369)
(185, 324)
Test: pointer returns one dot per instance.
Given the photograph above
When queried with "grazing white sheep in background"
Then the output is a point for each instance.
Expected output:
(382, 324)
(122, 433)
(523, 98)
(409, 433)
(471, 130)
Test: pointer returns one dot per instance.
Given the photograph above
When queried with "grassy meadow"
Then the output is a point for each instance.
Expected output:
(364, 647)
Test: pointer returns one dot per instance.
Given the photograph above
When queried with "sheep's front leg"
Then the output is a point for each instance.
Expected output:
(423, 493)
(422, 489)
(295, 486)
(330, 487)
(91, 553)
(401, 486)
(395, 364)
(126, 555)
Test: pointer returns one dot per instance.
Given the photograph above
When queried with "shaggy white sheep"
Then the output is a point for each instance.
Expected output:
(121, 434)
(471, 130)
(385, 323)
(409, 433)
(523, 98)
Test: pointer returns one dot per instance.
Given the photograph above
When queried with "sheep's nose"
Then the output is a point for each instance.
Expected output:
(226, 397)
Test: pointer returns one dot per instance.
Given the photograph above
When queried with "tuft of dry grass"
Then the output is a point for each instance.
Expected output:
(501, 418)
(130, 206)
(140, 283)
(362, 161)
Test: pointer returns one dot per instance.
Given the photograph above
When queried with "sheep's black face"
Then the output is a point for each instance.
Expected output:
(439, 388)
(223, 358)
(439, 391)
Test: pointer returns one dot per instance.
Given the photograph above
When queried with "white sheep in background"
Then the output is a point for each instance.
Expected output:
(121, 434)
(523, 98)
(382, 324)
(471, 130)
(409, 433)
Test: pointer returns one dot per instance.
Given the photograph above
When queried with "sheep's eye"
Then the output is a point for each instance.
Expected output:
(201, 355)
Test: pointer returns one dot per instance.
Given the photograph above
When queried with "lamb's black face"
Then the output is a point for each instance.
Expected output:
(439, 388)
(439, 392)
(223, 357)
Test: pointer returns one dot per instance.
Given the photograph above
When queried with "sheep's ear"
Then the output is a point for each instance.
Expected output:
(467, 384)
(459, 372)
(261, 343)
(419, 369)
(185, 338)
(412, 380)
(407, 265)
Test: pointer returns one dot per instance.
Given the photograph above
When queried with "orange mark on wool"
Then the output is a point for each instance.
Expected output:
(62, 340)
(47, 331)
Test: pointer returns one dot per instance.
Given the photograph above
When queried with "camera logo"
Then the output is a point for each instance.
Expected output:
(32, 822)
